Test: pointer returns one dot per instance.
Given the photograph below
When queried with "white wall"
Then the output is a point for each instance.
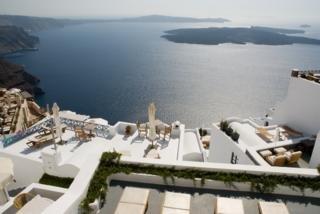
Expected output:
(315, 158)
(26, 171)
(301, 108)
(222, 146)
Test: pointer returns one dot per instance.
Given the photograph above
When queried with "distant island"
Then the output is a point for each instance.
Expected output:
(173, 19)
(13, 39)
(278, 30)
(255, 35)
(15, 76)
(305, 26)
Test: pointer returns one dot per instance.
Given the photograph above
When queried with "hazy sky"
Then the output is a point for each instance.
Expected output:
(276, 10)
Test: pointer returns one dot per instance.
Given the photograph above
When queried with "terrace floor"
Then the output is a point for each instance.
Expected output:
(202, 200)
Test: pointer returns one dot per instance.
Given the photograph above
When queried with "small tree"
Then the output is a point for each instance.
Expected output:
(229, 131)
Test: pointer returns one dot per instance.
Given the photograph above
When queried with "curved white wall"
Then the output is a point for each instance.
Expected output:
(301, 108)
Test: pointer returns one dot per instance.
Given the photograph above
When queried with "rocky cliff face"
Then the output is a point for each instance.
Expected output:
(15, 76)
(14, 39)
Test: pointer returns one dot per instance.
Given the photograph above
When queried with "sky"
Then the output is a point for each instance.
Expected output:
(258, 10)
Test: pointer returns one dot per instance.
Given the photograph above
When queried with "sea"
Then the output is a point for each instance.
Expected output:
(114, 70)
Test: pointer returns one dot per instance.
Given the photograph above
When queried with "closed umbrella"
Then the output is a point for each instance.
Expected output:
(152, 119)
(56, 118)
(277, 135)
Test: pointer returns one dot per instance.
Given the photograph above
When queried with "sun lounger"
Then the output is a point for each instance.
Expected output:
(275, 160)
(264, 134)
(133, 200)
(289, 132)
(272, 207)
(142, 129)
(176, 203)
(228, 206)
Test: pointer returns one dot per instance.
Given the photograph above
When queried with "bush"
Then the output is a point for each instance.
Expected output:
(128, 130)
(55, 181)
(203, 132)
(235, 136)
(229, 131)
(224, 125)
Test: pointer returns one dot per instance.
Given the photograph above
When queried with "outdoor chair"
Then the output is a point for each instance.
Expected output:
(22, 199)
(272, 207)
(228, 205)
(289, 132)
(142, 130)
(293, 157)
(264, 134)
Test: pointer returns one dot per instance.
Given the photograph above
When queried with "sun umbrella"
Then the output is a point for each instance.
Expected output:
(277, 135)
(152, 118)
(56, 118)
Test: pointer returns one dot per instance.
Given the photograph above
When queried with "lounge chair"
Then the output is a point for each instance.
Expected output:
(133, 200)
(276, 160)
(142, 129)
(290, 132)
(264, 134)
(81, 134)
(176, 203)
(228, 206)
(272, 207)
(293, 157)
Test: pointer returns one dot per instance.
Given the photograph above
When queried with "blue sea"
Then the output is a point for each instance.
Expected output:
(114, 70)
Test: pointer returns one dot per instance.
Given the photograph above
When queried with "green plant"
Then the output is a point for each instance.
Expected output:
(224, 125)
(235, 136)
(318, 168)
(229, 131)
(203, 132)
(55, 181)
(128, 130)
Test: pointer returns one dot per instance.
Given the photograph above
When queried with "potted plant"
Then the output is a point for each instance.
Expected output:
(128, 130)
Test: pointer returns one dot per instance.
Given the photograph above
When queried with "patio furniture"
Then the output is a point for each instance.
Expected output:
(81, 134)
(176, 203)
(22, 199)
(133, 200)
(264, 134)
(290, 132)
(272, 207)
(228, 206)
(36, 206)
(279, 150)
(142, 129)
(275, 160)
(293, 157)
(38, 142)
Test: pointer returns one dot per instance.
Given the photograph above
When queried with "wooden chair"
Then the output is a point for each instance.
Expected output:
(294, 157)
(22, 200)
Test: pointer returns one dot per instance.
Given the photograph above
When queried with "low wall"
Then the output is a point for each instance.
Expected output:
(209, 184)
(26, 171)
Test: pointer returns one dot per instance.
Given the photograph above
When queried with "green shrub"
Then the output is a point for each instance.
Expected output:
(229, 131)
(203, 132)
(235, 136)
(55, 181)
(224, 125)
